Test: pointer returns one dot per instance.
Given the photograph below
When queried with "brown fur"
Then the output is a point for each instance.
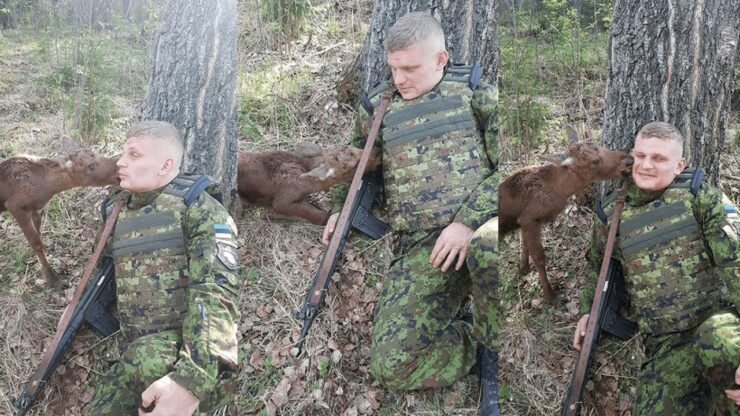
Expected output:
(27, 184)
(281, 181)
(536, 195)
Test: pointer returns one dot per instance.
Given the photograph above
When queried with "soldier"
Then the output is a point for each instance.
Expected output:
(677, 244)
(174, 251)
(439, 144)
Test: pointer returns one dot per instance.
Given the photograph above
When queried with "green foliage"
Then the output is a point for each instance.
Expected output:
(268, 95)
(323, 366)
(286, 16)
(88, 71)
(253, 274)
(523, 120)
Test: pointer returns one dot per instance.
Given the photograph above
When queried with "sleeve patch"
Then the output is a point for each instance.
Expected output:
(227, 254)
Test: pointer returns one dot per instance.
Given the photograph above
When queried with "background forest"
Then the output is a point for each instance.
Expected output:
(80, 67)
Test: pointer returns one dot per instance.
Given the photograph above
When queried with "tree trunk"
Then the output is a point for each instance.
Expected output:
(469, 26)
(192, 84)
(672, 60)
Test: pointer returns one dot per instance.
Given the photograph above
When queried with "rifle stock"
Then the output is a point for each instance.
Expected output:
(92, 307)
(572, 403)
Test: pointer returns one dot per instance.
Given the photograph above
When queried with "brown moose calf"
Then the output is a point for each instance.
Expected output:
(28, 183)
(281, 181)
(535, 195)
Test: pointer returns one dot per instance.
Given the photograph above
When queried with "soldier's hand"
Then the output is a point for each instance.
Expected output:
(580, 332)
(168, 399)
(329, 228)
(452, 243)
(734, 394)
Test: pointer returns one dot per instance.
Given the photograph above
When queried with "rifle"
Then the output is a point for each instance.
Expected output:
(609, 266)
(613, 323)
(361, 189)
(90, 302)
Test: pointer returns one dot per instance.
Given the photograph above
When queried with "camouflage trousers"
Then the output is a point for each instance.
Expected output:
(686, 373)
(417, 341)
(144, 361)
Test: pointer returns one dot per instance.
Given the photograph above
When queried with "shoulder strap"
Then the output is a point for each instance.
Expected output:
(189, 187)
(371, 96)
(470, 74)
(691, 178)
(106, 206)
(603, 203)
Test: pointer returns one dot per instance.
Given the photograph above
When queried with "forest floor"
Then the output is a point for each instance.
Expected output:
(286, 93)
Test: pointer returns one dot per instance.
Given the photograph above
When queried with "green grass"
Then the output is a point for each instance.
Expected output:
(269, 95)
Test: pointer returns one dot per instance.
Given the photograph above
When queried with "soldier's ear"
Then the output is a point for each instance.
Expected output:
(442, 58)
(166, 167)
(680, 166)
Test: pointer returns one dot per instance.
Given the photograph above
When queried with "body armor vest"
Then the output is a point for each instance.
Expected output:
(432, 157)
(670, 279)
(148, 246)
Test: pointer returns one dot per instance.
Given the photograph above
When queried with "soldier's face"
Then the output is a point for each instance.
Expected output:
(417, 69)
(657, 162)
(143, 166)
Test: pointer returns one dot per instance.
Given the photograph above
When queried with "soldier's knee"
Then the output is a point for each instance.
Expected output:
(486, 236)
(721, 328)
(483, 250)
(718, 346)
(390, 367)
(149, 357)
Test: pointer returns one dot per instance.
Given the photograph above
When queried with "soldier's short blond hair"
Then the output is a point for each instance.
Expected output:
(413, 28)
(663, 131)
(165, 133)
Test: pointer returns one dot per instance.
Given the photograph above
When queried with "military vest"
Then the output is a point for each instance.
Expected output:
(671, 281)
(148, 246)
(432, 154)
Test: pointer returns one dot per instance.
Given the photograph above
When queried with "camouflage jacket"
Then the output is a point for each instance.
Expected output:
(719, 226)
(482, 203)
(208, 319)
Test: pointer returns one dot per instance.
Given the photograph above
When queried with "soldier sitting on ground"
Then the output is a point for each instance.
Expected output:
(175, 269)
(677, 244)
(439, 167)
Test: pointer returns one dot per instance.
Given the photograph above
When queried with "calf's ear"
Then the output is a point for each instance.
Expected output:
(321, 173)
(558, 159)
(69, 145)
(307, 149)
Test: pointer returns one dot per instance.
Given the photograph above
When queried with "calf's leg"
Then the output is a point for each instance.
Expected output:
(524, 258)
(27, 221)
(532, 241)
(303, 210)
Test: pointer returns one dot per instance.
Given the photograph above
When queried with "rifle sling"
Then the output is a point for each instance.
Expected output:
(345, 215)
(69, 311)
(581, 370)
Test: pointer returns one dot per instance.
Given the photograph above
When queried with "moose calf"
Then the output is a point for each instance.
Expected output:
(28, 183)
(281, 181)
(536, 195)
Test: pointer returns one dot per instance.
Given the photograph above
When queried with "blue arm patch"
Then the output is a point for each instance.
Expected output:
(222, 228)
(730, 209)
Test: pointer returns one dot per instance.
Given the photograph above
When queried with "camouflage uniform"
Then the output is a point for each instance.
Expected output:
(678, 250)
(439, 165)
(175, 290)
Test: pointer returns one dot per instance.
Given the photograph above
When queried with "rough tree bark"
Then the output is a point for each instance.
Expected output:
(672, 60)
(192, 84)
(470, 28)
